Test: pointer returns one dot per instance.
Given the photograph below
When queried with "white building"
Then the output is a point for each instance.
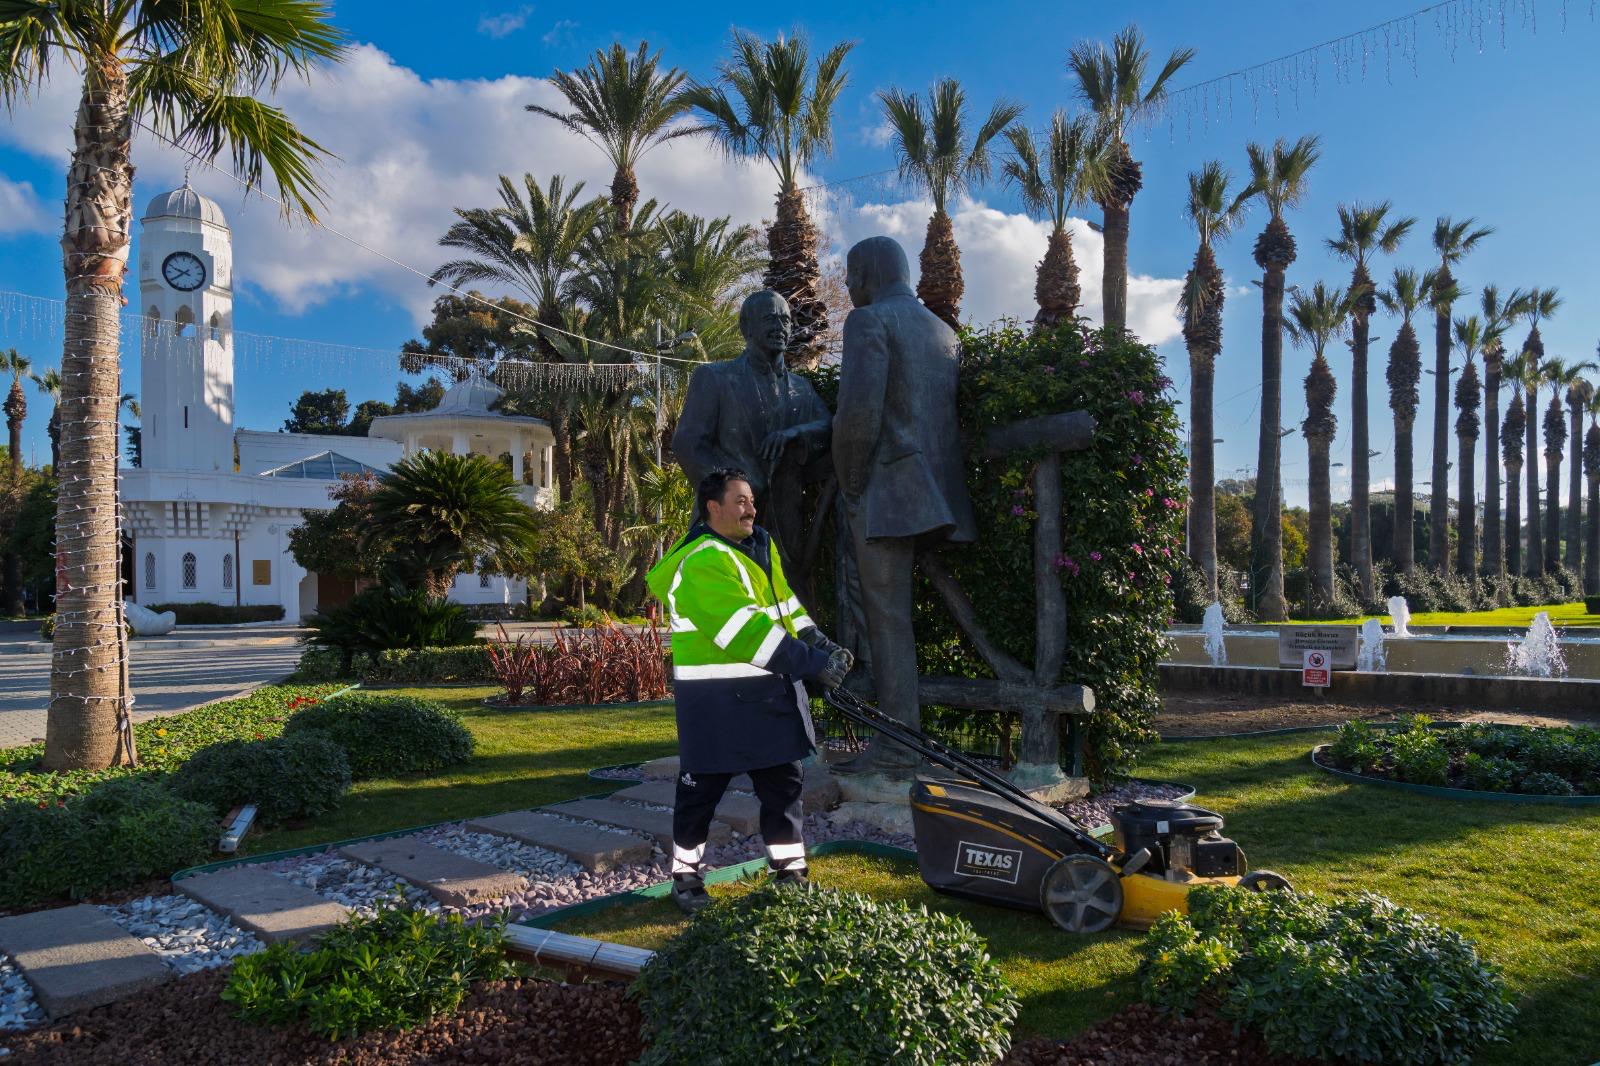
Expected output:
(210, 508)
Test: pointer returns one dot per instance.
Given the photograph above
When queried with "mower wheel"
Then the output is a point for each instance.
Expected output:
(1081, 894)
(1265, 881)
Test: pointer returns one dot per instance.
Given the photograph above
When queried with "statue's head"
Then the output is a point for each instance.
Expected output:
(764, 322)
(872, 266)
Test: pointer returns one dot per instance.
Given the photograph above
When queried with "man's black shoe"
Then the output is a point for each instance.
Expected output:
(689, 893)
(790, 877)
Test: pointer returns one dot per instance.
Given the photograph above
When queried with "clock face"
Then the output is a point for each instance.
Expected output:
(183, 271)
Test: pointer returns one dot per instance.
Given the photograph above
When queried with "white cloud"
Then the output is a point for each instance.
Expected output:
(21, 210)
(560, 32)
(878, 134)
(504, 24)
(1000, 253)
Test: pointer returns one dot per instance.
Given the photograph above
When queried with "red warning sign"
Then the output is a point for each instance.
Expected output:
(1314, 670)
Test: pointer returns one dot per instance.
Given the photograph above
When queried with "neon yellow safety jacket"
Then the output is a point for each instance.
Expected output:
(737, 665)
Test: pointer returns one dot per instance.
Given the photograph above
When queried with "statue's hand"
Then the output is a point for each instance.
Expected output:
(773, 447)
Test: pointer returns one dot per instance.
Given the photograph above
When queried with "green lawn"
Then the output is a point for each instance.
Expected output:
(524, 759)
(1561, 614)
(1522, 880)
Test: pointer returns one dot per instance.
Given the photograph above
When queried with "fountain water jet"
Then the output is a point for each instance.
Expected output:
(1371, 658)
(1212, 626)
(1538, 654)
(1400, 615)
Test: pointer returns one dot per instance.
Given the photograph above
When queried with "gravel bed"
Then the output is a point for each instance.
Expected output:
(536, 864)
(619, 773)
(187, 935)
(1094, 811)
(17, 1007)
(360, 887)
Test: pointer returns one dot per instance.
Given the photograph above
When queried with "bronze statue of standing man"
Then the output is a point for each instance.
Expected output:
(750, 413)
(897, 449)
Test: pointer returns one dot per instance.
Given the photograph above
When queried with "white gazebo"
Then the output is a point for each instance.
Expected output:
(464, 424)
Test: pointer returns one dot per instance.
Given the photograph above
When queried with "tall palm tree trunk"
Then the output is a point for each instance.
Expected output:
(1466, 518)
(792, 271)
(939, 282)
(1202, 469)
(1530, 458)
(616, 506)
(1274, 252)
(1591, 566)
(1405, 555)
(1493, 552)
(1552, 485)
(1319, 547)
(560, 411)
(1114, 276)
(16, 408)
(1056, 288)
(87, 655)
(1573, 559)
(1360, 461)
(624, 197)
(1513, 518)
(1439, 512)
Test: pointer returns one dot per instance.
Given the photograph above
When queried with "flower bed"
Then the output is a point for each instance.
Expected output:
(1553, 763)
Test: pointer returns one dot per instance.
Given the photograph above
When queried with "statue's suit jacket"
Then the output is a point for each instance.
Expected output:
(896, 436)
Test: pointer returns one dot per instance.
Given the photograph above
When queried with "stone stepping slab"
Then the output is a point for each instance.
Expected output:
(657, 824)
(598, 850)
(78, 957)
(273, 908)
(741, 810)
(454, 880)
(820, 791)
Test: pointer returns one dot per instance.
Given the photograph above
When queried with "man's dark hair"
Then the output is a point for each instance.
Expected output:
(714, 485)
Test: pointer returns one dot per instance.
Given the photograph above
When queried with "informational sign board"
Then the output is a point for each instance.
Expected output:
(1337, 642)
(1314, 670)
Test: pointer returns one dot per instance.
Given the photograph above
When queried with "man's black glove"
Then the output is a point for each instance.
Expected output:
(839, 664)
(812, 637)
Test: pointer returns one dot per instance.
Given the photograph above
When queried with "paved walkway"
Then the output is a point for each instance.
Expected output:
(165, 679)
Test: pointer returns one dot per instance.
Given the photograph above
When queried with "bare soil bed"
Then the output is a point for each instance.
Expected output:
(528, 1022)
(1141, 1036)
(1189, 714)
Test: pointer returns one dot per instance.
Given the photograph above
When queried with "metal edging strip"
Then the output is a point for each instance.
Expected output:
(1456, 793)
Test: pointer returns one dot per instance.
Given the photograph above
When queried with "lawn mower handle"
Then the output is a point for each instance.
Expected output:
(858, 710)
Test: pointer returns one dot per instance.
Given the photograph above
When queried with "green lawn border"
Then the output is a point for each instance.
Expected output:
(1455, 793)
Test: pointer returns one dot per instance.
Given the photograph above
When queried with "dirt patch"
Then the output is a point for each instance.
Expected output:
(1142, 1036)
(1189, 714)
(528, 1022)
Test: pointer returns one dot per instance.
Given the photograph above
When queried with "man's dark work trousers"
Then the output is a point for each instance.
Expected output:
(777, 787)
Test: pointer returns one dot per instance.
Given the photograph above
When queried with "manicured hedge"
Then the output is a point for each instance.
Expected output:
(215, 614)
(387, 735)
(298, 776)
(465, 664)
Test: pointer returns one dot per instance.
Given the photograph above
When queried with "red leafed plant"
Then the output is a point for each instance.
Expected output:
(593, 666)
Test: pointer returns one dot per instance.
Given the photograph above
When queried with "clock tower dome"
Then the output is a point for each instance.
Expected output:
(186, 348)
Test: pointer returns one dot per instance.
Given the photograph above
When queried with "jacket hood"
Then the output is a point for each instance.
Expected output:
(659, 579)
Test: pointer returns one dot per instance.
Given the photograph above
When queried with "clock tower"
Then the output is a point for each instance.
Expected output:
(186, 348)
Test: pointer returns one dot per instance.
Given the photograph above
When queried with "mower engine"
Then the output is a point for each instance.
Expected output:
(1184, 841)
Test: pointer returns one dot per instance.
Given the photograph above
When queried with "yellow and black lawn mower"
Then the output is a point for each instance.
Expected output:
(982, 837)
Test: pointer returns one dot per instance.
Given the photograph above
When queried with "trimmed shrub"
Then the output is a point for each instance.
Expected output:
(1358, 980)
(1420, 757)
(387, 735)
(117, 833)
(1355, 747)
(210, 614)
(804, 975)
(394, 970)
(299, 776)
(380, 618)
(469, 662)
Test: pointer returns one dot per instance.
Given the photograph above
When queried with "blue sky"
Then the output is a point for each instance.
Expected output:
(429, 110)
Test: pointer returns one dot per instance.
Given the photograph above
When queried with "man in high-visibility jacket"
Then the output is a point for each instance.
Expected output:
(741, 647)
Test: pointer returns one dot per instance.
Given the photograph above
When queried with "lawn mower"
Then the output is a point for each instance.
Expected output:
(981, 837)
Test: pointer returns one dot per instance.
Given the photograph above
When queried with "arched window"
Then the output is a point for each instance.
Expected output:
(483, 579)
(227, 571)
(189, 570)
(149, 570)
(216, 325)
(183, 322)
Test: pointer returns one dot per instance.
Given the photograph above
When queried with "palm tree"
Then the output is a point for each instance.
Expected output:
(1051, 185)
(1511, 442)
(1363, 230)
(448, 510)
(1579, 391)
(1469, 336)
(188, 72)
(1452, 240)
(129, 402)
(1115, 84)
(1215, 215)
(625, 106)
(1497, 317)
(1591, 468)
(1565, 380)
(49, 383)
(937, 157)
(1405, 294)
(1541, 304)
(530, 244)
(766, 106)
(16, 409)
(1278, 174)
(1313, 321)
